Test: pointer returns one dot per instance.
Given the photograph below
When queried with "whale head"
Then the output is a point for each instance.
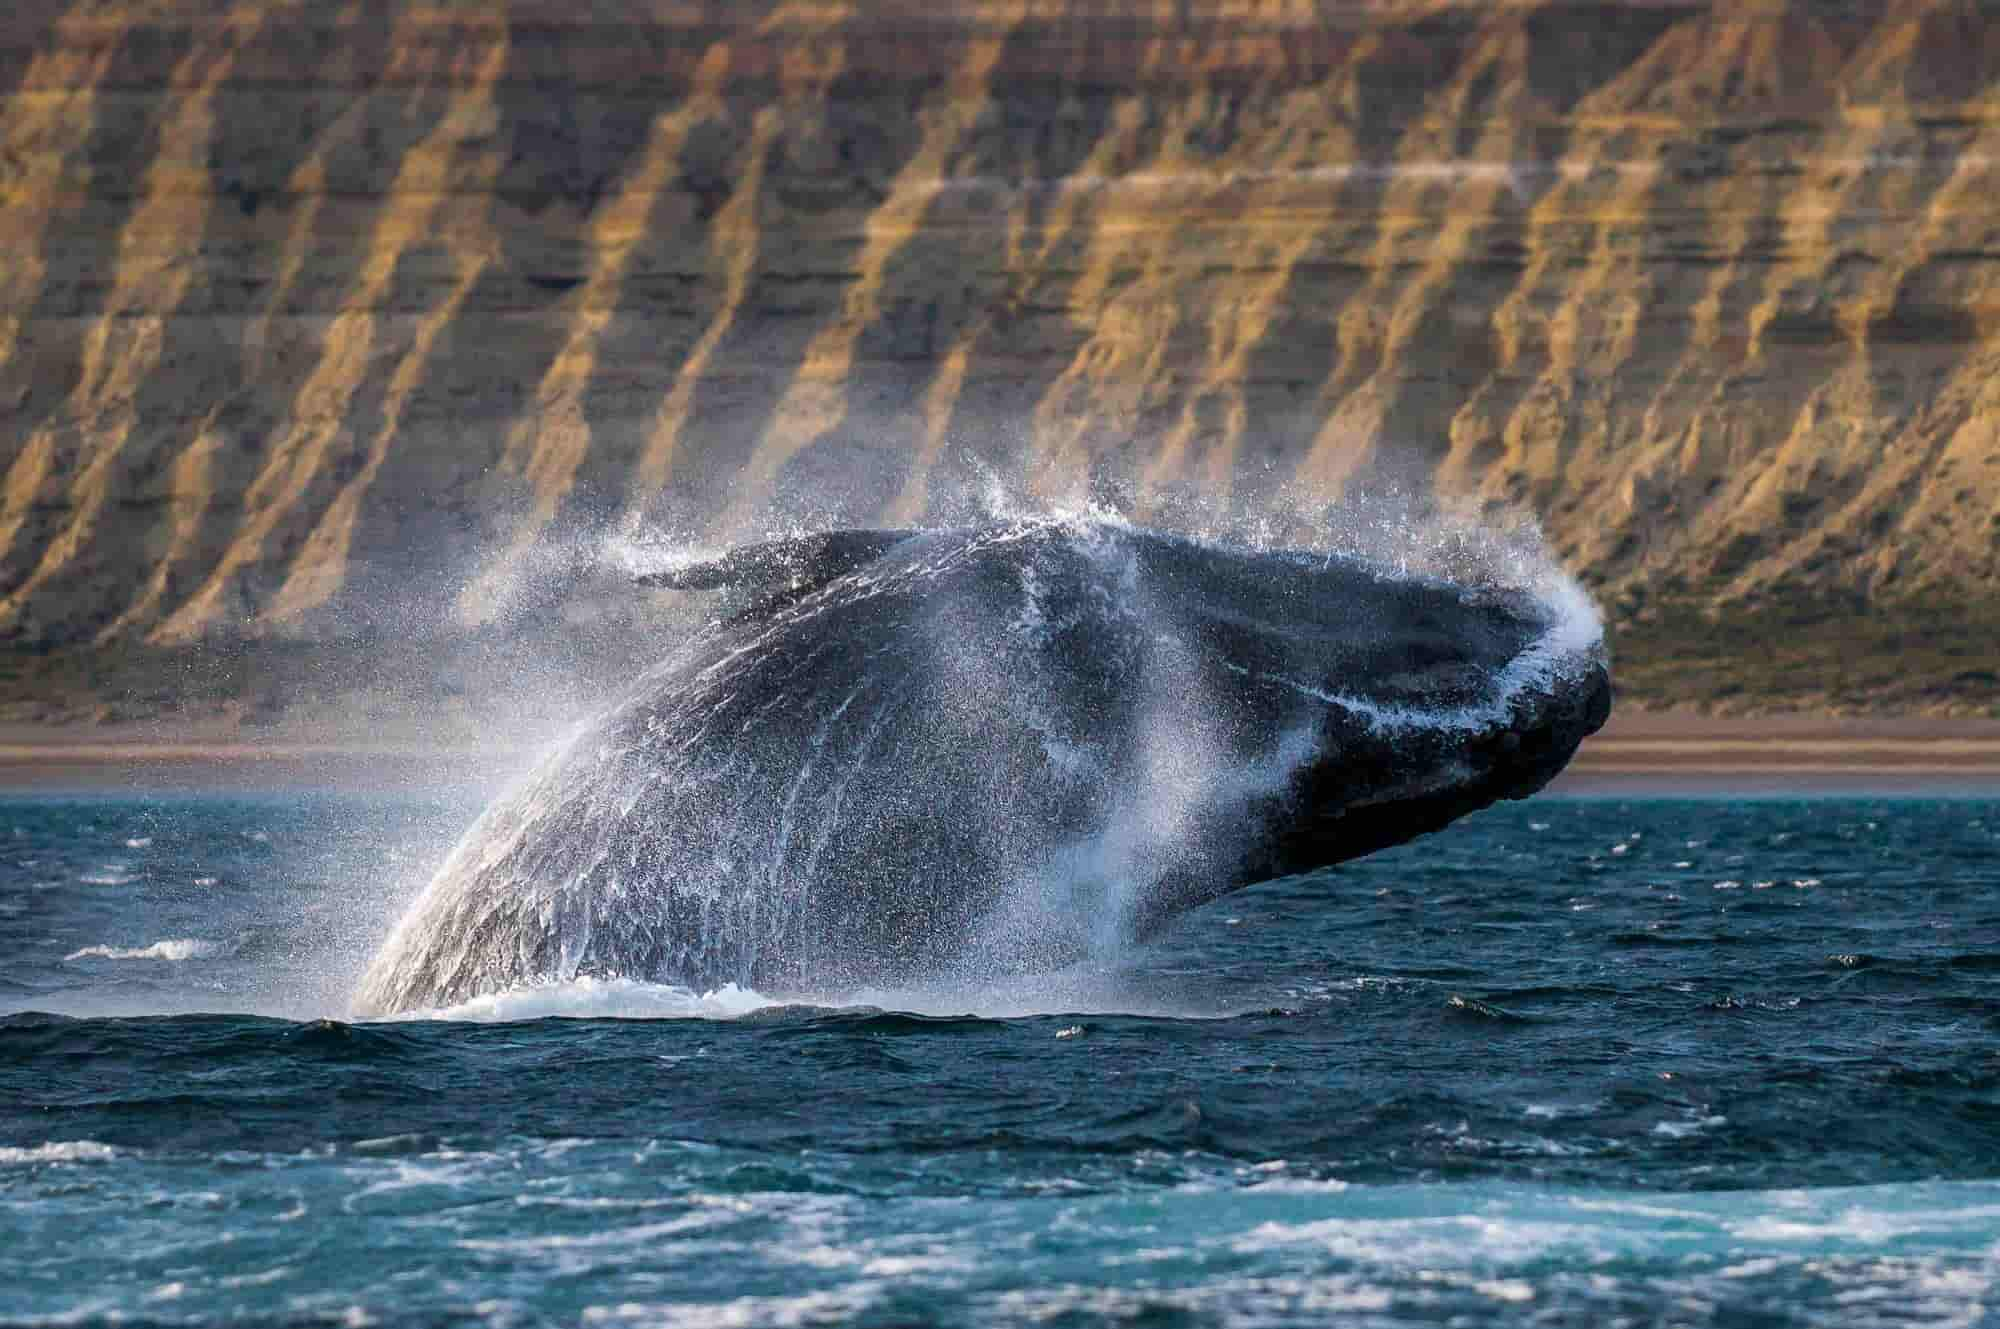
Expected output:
(891, 756)
(1406, 700)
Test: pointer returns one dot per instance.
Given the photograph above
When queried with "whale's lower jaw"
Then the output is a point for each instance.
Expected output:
(1514, 760)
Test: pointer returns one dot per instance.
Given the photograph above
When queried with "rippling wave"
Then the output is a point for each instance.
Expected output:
(1574, 1061)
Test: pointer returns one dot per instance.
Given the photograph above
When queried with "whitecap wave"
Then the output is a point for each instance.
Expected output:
(56, 1151)
(173, 948)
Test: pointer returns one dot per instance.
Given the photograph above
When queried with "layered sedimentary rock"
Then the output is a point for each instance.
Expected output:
(309, 307)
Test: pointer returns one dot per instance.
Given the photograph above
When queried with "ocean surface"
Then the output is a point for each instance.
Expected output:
(1575, 1061)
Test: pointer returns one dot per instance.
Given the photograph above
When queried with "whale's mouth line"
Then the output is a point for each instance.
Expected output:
(1540, 670)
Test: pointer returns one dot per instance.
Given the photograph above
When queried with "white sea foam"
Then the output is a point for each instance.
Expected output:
(173, 948)
(1083, 989)
(56, 1151)
(1681, 1130)
(836, 1306)
(1079, 990)
(601, 999)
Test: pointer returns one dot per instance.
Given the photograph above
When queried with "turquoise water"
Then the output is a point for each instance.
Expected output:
(1573, 1061)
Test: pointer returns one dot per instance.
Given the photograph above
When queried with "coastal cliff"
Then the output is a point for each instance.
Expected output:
(310, 308)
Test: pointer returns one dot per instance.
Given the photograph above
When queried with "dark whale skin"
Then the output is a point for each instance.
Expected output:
(906, 756)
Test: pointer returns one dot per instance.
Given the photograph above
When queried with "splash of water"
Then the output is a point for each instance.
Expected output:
(1140, 775)
(1079, 990)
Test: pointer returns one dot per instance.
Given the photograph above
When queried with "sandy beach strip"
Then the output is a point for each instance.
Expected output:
(1638, 753)
(62, 761)
(1669, 752)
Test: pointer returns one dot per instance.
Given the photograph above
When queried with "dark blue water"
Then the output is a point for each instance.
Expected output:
(1576, 1061)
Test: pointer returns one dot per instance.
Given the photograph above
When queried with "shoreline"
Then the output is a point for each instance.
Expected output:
(62, 762)
(1666, 752)
(1640, 753)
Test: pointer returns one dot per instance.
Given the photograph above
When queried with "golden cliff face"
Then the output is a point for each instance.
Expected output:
(304, 303)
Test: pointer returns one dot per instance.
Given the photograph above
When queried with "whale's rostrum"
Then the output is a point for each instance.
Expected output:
(900, 756)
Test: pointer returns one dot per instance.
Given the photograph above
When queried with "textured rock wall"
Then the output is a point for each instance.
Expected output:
(305, 306)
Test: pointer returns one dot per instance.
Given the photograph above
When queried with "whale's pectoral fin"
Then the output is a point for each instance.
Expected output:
(794, 565)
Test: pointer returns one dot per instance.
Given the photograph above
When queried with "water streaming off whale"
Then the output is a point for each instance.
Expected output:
(909, 757)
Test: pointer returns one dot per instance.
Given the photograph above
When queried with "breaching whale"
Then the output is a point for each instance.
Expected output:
(902, 756)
